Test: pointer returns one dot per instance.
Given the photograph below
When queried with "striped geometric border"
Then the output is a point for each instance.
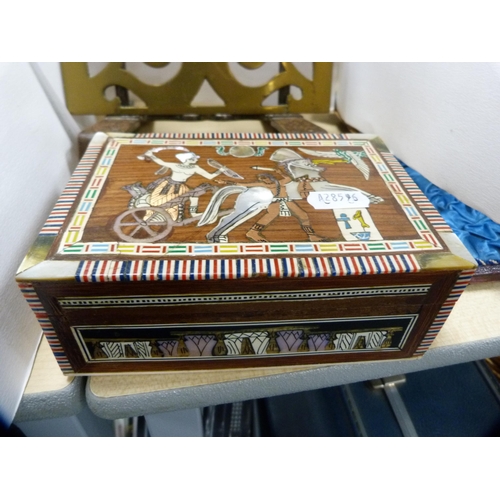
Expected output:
(418, 222)
(36, 306)
(61, 209)
(277, 140)
(185, 270)
(425, 205)
(225, 298)
(74, 231)
(444, 312)
(223, 249)
(418, 196)
(240, 135)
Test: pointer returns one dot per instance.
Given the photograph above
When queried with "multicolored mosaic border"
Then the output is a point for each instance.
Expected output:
(226, 249)
(432, 215)
(63, 206)
(238, 135)
(47, 328)
(71, 245)
(445, 311)
(74, 231)
(307, 267)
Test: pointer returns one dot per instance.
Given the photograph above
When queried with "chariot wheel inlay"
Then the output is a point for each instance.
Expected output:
(144, 225)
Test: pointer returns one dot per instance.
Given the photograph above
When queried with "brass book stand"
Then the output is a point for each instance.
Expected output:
(127, 102)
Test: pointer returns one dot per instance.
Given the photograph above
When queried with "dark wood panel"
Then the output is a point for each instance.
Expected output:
(425, 306)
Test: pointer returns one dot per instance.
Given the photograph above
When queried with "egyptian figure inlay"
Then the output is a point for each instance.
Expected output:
(176, 197)
(162, 202)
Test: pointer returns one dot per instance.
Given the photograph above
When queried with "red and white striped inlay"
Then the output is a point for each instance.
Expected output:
(186, 269)
(70, 192)
(47, 328)
(462, 282)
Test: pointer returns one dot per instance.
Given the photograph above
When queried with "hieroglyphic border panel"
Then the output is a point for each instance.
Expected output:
(254, 331)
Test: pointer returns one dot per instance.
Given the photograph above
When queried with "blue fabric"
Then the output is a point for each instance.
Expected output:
(478, 233)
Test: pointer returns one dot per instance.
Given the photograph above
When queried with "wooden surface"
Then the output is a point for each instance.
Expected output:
(329, 122)
(116, 124)
(287, 124)
(267, 311)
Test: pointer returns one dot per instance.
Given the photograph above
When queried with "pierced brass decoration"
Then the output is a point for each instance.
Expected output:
(86, 95)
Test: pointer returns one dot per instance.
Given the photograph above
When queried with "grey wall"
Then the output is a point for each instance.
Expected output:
(36, 154)
(439, 118)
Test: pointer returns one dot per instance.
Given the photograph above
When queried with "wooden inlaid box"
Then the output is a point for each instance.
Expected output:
(173, 252)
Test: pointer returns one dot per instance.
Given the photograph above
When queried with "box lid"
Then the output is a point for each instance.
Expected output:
(166, 206)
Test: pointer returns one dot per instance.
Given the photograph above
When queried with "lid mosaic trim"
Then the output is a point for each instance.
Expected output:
(63, 205)
(432, 215)
(239, 135)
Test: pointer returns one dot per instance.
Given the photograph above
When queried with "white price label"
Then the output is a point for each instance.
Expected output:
(338, 199)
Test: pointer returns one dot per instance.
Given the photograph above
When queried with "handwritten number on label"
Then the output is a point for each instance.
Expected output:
(338, 199)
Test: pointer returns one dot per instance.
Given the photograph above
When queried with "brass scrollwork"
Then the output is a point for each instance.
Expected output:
(86, 95)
